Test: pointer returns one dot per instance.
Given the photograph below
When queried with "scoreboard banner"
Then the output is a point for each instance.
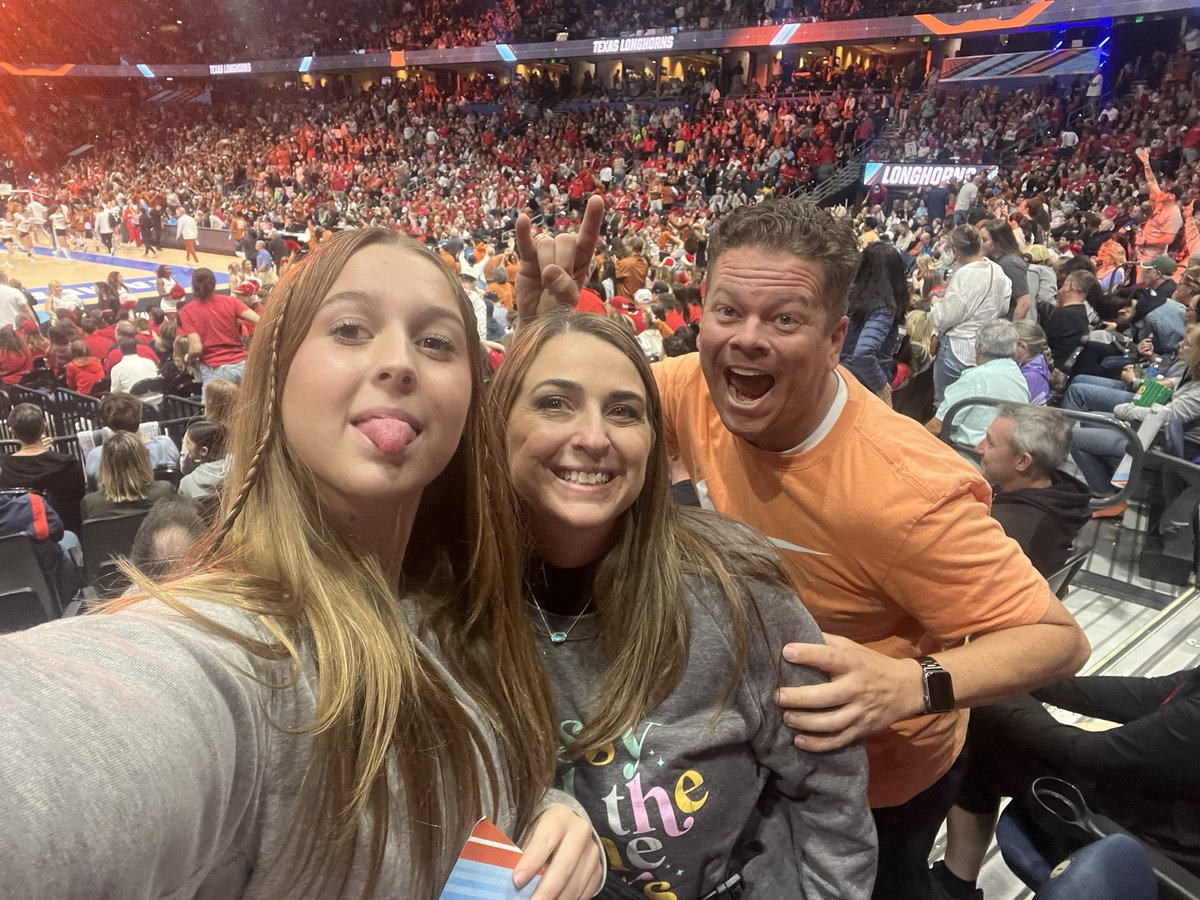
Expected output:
(913, 175)
(1034, 64)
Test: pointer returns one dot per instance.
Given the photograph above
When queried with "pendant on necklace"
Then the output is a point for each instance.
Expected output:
(558, 637)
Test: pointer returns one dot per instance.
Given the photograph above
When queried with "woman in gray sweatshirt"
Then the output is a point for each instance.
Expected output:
(661, 633)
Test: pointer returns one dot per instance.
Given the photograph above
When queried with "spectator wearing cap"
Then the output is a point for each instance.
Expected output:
(1157, 275)
(1166, 321)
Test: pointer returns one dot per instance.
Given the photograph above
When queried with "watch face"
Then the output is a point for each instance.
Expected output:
(940, 691)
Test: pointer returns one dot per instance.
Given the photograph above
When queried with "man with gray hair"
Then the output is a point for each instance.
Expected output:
(1039, 507)
(995, 375)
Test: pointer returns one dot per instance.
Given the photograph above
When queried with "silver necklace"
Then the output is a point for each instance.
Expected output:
(560, 637)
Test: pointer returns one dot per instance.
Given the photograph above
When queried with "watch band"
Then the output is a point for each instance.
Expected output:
(937, 686)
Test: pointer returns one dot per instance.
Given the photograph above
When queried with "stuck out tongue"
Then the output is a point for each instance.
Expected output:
(389, 435)
(751, 386)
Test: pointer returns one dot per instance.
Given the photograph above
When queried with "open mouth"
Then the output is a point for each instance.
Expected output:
(748, 385)
(575, 476)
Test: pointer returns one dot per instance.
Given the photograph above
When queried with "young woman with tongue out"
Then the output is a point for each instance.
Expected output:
(661, 633)
(342, 682)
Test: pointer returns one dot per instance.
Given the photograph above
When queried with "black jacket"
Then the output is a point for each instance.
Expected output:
(58, 475)
(1044, 521)
(1143, 775)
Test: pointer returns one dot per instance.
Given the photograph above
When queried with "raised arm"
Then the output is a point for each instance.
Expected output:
(1143, 156)
(136, 754)
(555, 268)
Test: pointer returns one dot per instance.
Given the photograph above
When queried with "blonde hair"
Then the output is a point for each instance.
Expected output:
(125, 474)
(179, 355)
(639, 585)
(220, 401)
(918, 325)
(278, 555)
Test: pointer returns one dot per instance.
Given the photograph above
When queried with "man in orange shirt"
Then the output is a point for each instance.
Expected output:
(885, 531)
(1164, 219)
(632, 269)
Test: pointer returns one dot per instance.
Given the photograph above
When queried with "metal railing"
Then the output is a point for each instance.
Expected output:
(1133, 445)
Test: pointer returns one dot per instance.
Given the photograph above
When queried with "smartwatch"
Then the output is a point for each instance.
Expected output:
(938, 686)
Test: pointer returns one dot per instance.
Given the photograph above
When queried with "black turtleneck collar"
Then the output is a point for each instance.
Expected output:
(564, 592)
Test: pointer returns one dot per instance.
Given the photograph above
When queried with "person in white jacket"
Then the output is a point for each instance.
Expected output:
(977, 293)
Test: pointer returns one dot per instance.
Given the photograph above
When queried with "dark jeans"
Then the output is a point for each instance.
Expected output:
(906, 835)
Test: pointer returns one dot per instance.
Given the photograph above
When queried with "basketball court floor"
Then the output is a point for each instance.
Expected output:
(79, 274)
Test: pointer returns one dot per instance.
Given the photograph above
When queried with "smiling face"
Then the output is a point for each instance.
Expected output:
(377, 395)
(579, 440)
(767, 347)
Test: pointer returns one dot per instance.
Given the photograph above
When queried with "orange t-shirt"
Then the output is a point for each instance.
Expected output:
(887, 536)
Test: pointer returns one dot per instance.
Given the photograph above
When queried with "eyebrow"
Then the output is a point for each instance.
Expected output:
(564, 384)
(429, 313)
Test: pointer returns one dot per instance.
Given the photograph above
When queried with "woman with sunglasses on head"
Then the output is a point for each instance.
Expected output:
(342, 682)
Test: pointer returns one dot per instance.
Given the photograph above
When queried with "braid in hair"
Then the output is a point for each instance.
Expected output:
(264, 441)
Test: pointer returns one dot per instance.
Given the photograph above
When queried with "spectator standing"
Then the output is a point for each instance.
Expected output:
(936, 199)
(1164, 219)
(156, 226)
(187, 231)
(965, 199)
(103, 226)
(1000, 244)
(14, 305)
(978, 292)
(632, 269)
(145, 229)
(264, 265)
(878, 304)
(210, 322)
